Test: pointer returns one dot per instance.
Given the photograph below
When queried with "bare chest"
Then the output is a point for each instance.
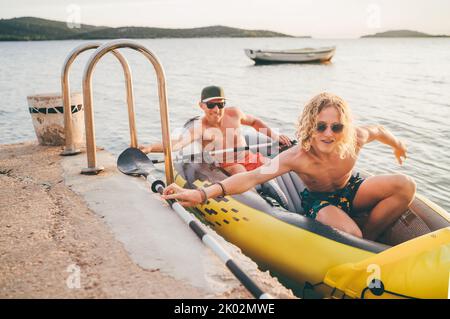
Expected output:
(228, 135)
(327, 176)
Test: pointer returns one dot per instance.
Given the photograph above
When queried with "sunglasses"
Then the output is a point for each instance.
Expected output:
(335, 127)
(211, 105)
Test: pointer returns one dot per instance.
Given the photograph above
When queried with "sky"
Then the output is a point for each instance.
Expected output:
(317, 18)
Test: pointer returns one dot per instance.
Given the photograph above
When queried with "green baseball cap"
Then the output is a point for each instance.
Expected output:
(212, 93)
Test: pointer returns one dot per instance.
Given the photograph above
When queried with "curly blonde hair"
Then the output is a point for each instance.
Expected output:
(307, 123)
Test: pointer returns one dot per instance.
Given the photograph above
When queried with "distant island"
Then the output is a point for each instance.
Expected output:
(403, 34)
(35, 29)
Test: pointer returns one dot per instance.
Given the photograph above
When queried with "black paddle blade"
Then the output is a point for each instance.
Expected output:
(134, 162)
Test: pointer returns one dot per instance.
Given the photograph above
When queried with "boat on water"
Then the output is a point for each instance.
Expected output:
(305, 55)
(411, 258)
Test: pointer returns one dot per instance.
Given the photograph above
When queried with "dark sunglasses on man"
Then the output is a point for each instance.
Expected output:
(211, 105)
(335, 127)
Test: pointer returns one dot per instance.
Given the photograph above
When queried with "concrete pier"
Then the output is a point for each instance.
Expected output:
(143, 249)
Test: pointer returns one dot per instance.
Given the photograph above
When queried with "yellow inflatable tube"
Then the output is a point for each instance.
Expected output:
(418, 268)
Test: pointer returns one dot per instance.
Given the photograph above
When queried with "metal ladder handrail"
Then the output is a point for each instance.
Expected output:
(70, 148)
(89, 112)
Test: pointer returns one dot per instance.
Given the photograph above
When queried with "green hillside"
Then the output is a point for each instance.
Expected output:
(143, 33)
(29, 29)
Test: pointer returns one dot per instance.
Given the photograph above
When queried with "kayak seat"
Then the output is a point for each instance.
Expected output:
(270, 191)
(291, 185)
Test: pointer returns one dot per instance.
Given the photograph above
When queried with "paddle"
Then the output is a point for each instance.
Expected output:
(207, 154)
(134, 162)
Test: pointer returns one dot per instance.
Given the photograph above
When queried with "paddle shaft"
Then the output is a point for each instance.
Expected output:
(133, 161)
(217, 152)
(208, 240)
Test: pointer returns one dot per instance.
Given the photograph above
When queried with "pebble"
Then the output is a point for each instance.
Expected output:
(47, 185)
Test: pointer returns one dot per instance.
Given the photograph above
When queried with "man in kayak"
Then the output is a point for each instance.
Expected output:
(324, 159)
(218, 129)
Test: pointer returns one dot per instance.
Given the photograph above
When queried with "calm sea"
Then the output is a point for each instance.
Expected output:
(403, 84)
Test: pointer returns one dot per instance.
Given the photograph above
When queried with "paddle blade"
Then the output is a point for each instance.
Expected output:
(134, 162)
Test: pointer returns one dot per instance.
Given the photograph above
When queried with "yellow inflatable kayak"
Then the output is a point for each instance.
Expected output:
(410, 260)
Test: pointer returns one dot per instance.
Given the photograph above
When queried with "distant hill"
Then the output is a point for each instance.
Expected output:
(143, 33)
(30, 29)
(402, 34)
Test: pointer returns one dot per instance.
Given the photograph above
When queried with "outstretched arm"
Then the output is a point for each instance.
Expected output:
(260, 126)
(183, 140)
(367, 134)
(235, 184)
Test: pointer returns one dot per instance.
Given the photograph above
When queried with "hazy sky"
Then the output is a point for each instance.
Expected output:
(319, 18)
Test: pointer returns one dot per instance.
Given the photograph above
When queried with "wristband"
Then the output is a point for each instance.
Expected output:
(203, 195)
(224, 193)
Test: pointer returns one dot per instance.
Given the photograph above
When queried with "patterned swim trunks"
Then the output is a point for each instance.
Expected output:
(342, 198)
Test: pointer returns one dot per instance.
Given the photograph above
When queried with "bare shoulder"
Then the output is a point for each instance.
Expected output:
(198, 128)
(296, 158)
(233, 111)
(198, 125)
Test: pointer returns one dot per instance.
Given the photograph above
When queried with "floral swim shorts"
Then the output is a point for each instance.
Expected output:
(313, 202)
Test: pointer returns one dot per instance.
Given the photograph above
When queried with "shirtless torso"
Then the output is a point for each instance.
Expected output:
(321, 175)
(224, 134)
